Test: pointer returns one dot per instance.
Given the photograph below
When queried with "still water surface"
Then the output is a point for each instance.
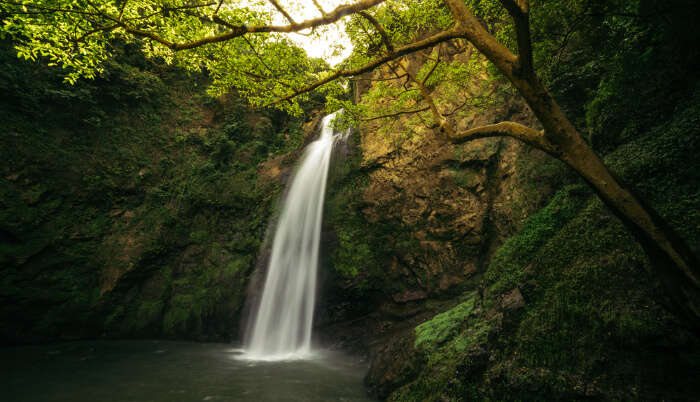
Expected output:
(160, 371)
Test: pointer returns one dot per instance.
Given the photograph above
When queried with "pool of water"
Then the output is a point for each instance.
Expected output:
(155, 371)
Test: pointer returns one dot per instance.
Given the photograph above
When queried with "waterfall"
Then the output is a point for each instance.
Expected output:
(282, 328)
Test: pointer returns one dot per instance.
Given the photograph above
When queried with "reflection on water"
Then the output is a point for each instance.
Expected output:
(154, 371)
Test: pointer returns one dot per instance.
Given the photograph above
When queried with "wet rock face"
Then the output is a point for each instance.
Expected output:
(451, 206)
(445, 207)
(395, 363)
(417, 192)
(435, 213)
(429, 215)
(457, 204)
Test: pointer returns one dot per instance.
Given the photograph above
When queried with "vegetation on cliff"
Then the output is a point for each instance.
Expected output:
(470, 270)
(131, 204)
(216, 37)
(568, 305)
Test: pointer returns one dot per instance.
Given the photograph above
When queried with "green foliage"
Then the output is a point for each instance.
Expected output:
(403, 22)
(624, 71)
(663, 165)
(592, 301)
(506, 268)
(464, 87)
(616, 58)
(79, 35)
(593, 322)
(354, 254)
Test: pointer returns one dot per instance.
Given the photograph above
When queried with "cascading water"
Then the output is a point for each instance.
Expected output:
(282, 328)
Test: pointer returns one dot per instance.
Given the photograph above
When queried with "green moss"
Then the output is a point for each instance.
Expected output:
(663, 167)
(443, 326)
(450, 344)
(593, 319)
(506, 269)
(353, 253)
(237, 266)
(176, 319)
(594, 297)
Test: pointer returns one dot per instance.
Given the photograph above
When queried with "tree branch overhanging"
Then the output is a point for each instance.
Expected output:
(238, 30)
(432, 70)
(403, 112)
(235, 30)
(511, 129)
(432, 106)
(397, 53)
(318, 7)
(380, 79)
(380, 30)
(676, 264)
(282, 11)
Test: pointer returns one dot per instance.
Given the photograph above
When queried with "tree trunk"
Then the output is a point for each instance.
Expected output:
(670, 256)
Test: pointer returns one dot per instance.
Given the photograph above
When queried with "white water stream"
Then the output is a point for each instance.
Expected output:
(282, 328)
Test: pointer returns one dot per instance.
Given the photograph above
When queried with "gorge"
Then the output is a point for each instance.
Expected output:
(174, 227)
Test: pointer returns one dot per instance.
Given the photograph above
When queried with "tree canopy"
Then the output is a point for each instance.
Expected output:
(236, 42)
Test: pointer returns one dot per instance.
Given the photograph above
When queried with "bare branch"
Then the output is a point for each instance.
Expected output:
(235, 30)
(429, 57)
(511, 129)
(521, 6)
(380, 30)
(121, 10)
(425, 79)
(385, 116)
(457, 108)
(420, 84)
(380, 79)
(397, 53)
(282, 11)
(472, 30)
(318, 6)
(238, 30)
(442, 122)
(218, 6)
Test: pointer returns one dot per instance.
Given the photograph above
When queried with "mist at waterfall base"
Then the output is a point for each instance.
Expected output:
(168, 371)
(282, 325)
